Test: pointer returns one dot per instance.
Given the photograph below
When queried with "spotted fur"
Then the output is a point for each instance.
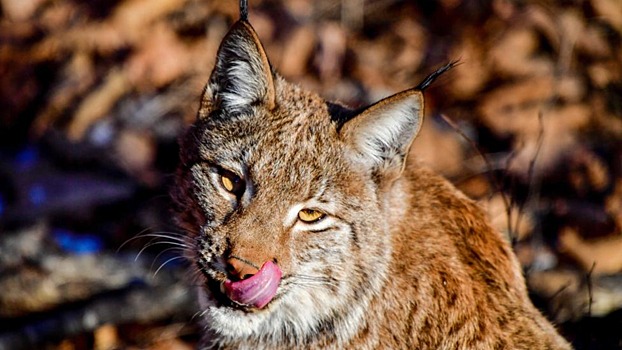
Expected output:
(402, 260)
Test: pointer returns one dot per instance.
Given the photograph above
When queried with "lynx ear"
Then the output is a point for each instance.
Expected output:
(381, 135)
(242, 76)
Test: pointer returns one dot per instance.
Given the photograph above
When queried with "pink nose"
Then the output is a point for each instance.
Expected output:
(240, 269)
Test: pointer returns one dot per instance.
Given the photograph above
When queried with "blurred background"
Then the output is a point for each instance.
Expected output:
(93, 95)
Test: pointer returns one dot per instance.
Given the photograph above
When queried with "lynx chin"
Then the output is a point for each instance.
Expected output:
(312, 226)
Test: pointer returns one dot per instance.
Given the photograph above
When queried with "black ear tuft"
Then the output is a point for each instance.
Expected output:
(244, 10)
(434, 75)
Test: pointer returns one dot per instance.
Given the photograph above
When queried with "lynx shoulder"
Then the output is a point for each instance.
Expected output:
(311, 225)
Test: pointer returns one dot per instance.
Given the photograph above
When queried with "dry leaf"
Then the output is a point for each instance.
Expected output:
(440, 150)
(159, 60)
(522, 225)
(473, 73)
(20, 10)
(106, 337)
(329, 60)
(602, 254)
(297, 52)
(610, 11)
(514, 54)
(613, 205)
(98, 104)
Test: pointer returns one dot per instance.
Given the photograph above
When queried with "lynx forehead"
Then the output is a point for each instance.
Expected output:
(311, 225)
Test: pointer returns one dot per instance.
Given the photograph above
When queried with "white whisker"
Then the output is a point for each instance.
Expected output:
(171, 249)
(139, 235)
(166, 262)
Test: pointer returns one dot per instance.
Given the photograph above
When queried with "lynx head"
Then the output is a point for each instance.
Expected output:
(282, 196)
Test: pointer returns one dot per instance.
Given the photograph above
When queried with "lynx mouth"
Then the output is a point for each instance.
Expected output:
(256, 291)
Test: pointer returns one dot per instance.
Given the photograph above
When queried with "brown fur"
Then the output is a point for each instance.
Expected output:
(403, 259)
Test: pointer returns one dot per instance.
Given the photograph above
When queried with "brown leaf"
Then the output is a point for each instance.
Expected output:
(514, 55)
(96, 105)
(473, 72)
(159, 60)
(20, 10)
(106, 337)
(610, 11)
(603, 254)
(441, 150)
(297, 52)
(329, 60)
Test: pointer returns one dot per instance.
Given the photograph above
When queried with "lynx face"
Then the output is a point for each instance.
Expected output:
(283, 199)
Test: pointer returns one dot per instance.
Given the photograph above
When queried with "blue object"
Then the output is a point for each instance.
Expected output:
(37, 194)
(80, 244)
(27, 157)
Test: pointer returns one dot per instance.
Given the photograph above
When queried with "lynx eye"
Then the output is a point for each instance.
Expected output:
(231, 182)
(228, 183)
(310, 215)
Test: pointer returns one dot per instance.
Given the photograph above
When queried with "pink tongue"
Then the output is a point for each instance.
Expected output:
(257, 290)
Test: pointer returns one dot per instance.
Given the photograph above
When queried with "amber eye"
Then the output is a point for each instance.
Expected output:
(231, 182)
(310, 215)
(228, 183)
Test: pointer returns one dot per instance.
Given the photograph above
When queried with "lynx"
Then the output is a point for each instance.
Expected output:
(311, 225)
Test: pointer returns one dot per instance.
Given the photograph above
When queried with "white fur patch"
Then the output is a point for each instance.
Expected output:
(388, 131)
(245, 86)
(383, 133)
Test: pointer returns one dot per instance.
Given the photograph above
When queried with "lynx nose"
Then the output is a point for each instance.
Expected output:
(240, 269)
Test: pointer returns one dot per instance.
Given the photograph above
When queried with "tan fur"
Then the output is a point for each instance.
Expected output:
(402, 260)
